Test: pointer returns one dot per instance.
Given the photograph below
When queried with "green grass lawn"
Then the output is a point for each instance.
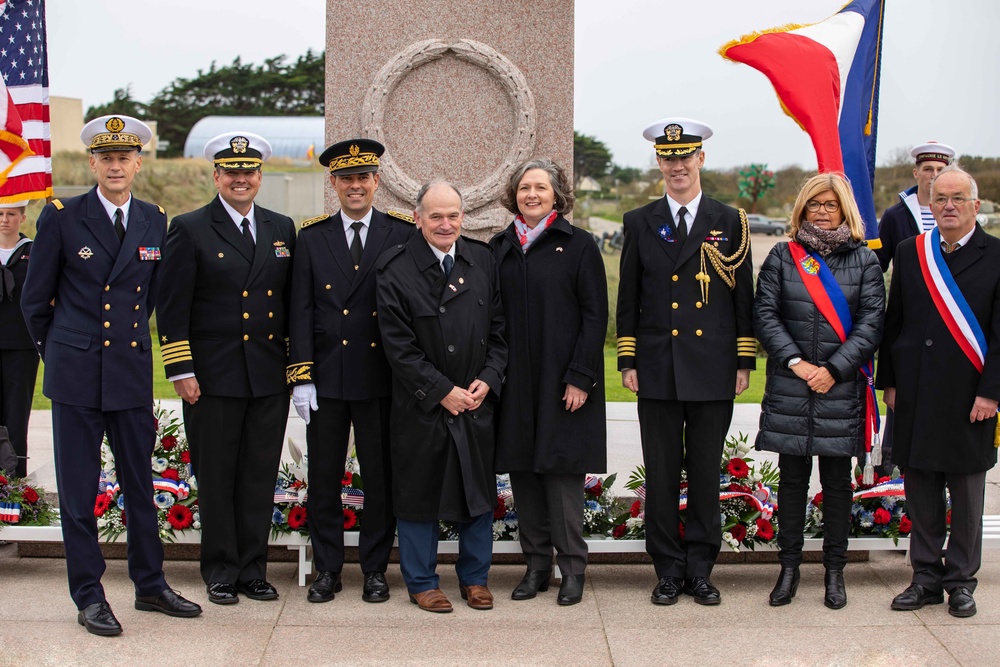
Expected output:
(616, 392)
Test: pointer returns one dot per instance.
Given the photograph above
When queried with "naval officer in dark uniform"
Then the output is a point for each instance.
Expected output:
(223, 326)
(337, 367)
(686, 347)
(91, 287)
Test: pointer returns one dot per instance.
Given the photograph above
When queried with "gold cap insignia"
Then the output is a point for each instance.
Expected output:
(354, 150)
(239, 144)
(115, 124)
(278, 244)
(86, 252)
(673, 132)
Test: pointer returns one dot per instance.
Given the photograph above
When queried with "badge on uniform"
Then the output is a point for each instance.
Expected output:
(666, 233)
(86, 252)
(280, 250)
(149, 253)
(716, 235)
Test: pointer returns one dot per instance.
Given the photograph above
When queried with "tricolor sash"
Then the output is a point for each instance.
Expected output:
(832, 305)
(949, 300)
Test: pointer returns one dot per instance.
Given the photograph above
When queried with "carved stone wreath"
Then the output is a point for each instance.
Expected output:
(481, 55)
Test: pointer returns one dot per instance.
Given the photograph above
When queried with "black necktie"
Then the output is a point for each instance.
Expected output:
(247, 235)
(119, 225)
(447, 264)
(356, 246)
(682, 228)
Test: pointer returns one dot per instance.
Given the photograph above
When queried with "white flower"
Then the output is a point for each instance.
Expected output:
(101, 522)
(163, 500)
(196, 525)
(634, 522)
(159, 464)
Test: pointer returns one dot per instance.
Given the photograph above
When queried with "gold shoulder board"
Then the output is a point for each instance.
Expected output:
(399, 215)
(162, 212)
(313, 221)
(58, 204)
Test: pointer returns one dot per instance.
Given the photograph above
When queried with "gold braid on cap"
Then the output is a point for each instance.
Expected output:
(724, 266)
(359, 160)
(115, 139)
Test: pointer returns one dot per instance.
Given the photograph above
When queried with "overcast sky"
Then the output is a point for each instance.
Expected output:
(636, 61)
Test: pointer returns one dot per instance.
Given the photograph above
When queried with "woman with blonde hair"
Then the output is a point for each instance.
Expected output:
(818, 314)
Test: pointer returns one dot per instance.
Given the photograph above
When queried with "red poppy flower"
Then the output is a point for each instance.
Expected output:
(905, 525)
(680, 529)
(350, 518)
(596, 489)
(818, 499)
(170, 473)
(168, 442)
(765, 530)
(297, 517)
(500, 509)
(185, 457)
(882, 516)
(3, 480)
(30, 495)
(102, 504)
(739, 532)
(636, 509)
(618, 531)
(738, 468)
(180, 517)
(947, 518)
(348, 478)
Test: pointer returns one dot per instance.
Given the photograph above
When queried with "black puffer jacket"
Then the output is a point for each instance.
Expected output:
(794, 419)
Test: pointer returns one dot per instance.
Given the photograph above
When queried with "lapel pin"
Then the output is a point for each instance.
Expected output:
(221, 255)
(86, 252)
(461, 281)
(559, 249)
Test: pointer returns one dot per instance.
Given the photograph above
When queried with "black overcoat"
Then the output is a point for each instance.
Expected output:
(794, 419)
(223, 313)
(440, 333)
(936, 385)
(555, 300)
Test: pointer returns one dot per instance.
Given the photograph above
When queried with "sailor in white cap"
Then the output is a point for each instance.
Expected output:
(97, 256)
(223, 324)
(912, 214)
(686, 347)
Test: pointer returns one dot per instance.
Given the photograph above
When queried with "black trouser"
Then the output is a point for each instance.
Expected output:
(688, 434)
(18, 370)
(235, 450)
(327, 437)
(835, 479)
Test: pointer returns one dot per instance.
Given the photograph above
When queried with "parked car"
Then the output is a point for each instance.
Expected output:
(760, 224)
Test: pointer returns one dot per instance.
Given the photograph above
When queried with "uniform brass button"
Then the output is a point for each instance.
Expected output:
(246, 294)
(136, 306)
(270, 336)
(345, 341)
(107, 325)
(269, 292)
(246, 316)
(134, 344)
(674, 305)
(697, 332)
(674, 277)
(107, 343)
(107, 288)
(107, 306)
(138, 288)
(246, 336)
(270, 316)
(675, 332)
(697, 304)
(328, 287)
(374, 345)
(374, 313)
(221, 255)
(346, 311)
(135, 325)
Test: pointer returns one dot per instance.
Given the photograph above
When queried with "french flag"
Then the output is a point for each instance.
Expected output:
(826, 76)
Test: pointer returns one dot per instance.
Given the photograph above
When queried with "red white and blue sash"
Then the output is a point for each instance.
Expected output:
(949, 300)
(832, 305)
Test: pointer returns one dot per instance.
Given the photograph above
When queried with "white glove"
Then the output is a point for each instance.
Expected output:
(304, 398)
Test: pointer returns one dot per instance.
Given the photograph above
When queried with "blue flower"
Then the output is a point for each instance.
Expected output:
(277, 518)
(591, 505)
(121, 501)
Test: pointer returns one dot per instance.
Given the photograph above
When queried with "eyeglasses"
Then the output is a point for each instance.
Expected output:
(831, 206)
(957, 201)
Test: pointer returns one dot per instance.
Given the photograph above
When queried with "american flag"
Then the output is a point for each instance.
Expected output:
(24, 66)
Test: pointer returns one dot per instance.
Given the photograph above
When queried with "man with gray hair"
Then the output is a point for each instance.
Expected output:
(941, 348)
(442, 328)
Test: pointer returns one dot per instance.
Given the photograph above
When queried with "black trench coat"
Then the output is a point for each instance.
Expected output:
(439, 334)
(555, 300)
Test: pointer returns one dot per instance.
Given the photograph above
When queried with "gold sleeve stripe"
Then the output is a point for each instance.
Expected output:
(746, 339)
(177, 360)
(176, 346)
(624, 353)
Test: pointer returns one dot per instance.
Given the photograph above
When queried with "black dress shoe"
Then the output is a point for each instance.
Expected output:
(702, 590)
(220, 593)
(376, 588)
(99, 620)
(169, 603)
(784, 590)
(571, 589)
(915, 597)
(836, 593)
(257, 589)
(532, 582)
(961, 603)
(667, 591)
(324, 586)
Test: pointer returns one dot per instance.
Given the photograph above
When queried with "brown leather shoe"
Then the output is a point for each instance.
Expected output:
(433, 600)
(479, 597)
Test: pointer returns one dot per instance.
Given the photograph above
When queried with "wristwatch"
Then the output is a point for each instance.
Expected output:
(793, 361)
